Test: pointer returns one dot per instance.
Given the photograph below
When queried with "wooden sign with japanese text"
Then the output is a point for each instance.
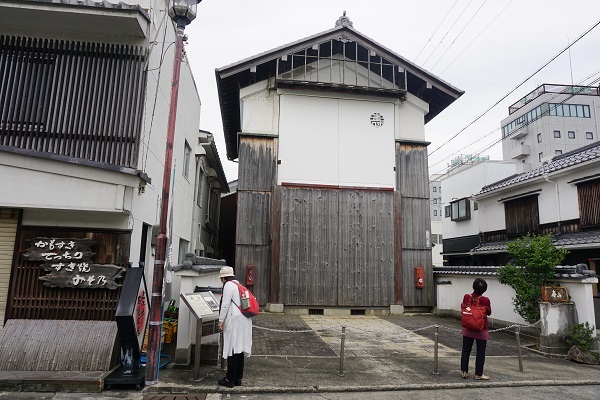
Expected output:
(70, 264)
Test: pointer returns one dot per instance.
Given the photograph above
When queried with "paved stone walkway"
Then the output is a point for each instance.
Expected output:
(373, 337)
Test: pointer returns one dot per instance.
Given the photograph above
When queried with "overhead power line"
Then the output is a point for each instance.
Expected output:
(478, 152)
(436, 29)
(475, 38)
(516, 87)
(448, 31)
(459, 33)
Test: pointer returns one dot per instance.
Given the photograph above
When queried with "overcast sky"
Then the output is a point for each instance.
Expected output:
(485, 48)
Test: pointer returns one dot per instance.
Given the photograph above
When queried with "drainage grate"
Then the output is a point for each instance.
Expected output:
(357, 312)
(315, 311)
(175, 397)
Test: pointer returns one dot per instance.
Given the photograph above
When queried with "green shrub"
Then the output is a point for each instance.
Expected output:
(580, 335)
(533, 261)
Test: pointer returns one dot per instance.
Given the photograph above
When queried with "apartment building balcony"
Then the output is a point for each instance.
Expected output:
(521, 151)
(520, 133)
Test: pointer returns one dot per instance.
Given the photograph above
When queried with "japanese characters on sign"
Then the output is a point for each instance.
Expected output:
(70, 264)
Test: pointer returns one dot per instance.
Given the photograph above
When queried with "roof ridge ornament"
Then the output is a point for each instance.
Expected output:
(344, 21)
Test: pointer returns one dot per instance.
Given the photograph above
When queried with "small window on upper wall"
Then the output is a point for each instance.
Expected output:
(187, 155)
(540, 156)
(571, 134)
(434, 201)
(589, 135)
(440, 189)
(435, 189)
(460, 209)
(447, 212)
(539, 138)
(435, 213)
(475, 206)
(556, 134)
(557, 152)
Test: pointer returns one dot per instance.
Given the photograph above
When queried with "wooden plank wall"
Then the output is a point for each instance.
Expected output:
(337, 247)
(256, 179)
(366, 248)
(308, 258)
(412, 182)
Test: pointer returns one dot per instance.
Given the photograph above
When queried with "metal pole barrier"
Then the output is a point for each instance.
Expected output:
(341, 373)
(197, 348)
(518, 335)
(435, 351)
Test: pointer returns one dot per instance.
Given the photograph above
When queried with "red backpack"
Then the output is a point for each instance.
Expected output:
(249, 304)
(473, 314)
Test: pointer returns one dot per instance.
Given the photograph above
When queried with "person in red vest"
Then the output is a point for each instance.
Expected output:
(481, 337)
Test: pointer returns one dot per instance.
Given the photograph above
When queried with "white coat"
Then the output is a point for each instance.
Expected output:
(237, 329)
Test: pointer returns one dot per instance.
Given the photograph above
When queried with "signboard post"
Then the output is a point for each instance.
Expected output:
(202, 305)
(132, 320)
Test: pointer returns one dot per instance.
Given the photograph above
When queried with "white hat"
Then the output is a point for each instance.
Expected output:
(226, 271)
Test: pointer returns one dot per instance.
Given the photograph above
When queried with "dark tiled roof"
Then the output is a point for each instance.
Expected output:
(560, 271)
(564, 240)
(566, 160)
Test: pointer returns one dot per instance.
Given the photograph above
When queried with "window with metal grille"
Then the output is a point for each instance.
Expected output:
(75, 99)
(588, 194)
(522, 215)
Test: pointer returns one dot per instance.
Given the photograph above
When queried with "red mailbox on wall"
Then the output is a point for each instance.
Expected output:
(419, 277)
(250, 274)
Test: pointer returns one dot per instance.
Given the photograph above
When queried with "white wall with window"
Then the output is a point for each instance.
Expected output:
(460, 217)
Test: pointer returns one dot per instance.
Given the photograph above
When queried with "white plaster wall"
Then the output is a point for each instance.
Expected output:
(467, 183)
(366, 152)
(259, 109)
(331, 141)
(308, 140)
(450, 296)
(40, 183)
(492, 211)
(410, 118)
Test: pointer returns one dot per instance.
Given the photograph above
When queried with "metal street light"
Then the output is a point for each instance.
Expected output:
(182, 12)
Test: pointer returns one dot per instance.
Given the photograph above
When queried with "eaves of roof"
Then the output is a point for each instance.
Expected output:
(560, 164)
(233, 76)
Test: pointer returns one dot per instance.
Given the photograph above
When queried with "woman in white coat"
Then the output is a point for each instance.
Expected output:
(237, 330)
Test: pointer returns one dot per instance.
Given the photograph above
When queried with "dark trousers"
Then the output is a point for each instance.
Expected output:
(235, 367)
(479, 357)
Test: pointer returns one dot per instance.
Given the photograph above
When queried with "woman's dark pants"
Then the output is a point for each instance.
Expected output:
(479, 357)
(235, 367)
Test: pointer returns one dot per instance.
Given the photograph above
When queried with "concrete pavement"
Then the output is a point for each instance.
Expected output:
(300, 354)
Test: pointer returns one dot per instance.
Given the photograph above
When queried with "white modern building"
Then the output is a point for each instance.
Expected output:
(462, 220)
(549, 121)
(435, 201)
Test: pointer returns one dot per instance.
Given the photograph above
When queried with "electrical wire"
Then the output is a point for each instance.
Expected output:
(448, 31)
(478, 152)
(459, 33)
(475, 38)
(516, 87)
(436, 29)
(496, 129)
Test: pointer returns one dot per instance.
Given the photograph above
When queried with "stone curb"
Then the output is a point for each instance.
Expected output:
(184, 389)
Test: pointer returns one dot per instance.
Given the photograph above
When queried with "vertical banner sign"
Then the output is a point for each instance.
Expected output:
(69, 263)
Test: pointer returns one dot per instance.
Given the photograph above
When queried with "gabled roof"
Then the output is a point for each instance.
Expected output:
(580, 156)
(419, 82)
